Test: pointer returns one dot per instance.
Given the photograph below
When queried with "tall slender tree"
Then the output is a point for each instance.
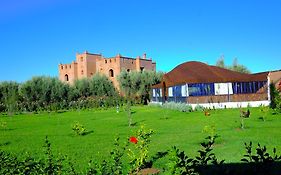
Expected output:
(235, 65)
(137, 85)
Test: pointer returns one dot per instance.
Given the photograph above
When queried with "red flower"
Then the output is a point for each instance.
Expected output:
(133, 140)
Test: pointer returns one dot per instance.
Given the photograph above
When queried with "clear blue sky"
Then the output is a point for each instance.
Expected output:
(37, 35)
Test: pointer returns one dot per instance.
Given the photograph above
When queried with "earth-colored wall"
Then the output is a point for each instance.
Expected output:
(87, 64)
(275, 77)
(69, 70)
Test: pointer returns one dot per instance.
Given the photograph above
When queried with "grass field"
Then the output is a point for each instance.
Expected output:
(26, 132)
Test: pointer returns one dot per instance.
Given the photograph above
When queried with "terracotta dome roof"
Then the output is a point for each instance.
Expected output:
(198, 72)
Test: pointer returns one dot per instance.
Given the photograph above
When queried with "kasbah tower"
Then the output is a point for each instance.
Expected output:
(87, 64)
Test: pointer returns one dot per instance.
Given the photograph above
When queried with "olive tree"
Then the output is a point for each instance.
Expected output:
(135, 85)
(9, 96)
(41, 92)
(100, 85)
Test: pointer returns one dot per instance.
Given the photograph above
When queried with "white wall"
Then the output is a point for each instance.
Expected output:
(232, 104)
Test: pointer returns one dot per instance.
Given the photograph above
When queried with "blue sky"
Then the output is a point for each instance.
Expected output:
(37, 35)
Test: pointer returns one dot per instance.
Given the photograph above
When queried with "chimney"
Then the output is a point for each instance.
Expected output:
(144, 56)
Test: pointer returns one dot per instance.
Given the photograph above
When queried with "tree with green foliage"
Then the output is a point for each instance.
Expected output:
(9, 96)
(129, 85)
(100, 86)
(239, 67)
(148, 78)
(220, 62)
(275, 99)
(81, 88)
(97, 86)
(43, 92)
(137, 85)
(235, 65)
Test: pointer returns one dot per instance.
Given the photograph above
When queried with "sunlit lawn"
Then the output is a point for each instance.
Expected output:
(26, 132)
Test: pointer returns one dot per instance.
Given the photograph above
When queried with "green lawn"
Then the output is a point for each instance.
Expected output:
(26, 132)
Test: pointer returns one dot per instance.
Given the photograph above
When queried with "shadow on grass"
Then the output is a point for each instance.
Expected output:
(137, 123)
(88, 132)
(61, 111)
(264, 119)
(83, 134)
(270, 168)
(5, 144)
(164, 118)
(7, 129)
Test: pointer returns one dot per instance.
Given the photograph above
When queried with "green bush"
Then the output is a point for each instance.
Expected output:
(79, 129)
(199, 108)
(183, 107)
(275, 99)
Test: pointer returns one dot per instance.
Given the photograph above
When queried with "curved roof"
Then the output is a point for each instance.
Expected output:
(198, 72)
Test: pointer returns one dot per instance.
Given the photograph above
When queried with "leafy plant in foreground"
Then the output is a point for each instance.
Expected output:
(211, 131)
(180, 163)
(264, 110)
(261, 156)
(113, 165)
(261, 162)
(53, 165)
(139, 154)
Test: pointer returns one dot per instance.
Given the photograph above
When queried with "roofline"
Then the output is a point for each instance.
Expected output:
(98, 54)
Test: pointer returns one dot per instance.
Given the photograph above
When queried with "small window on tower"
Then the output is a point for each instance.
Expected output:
(61, 67)
(81, 59)
(82, 72)
(105, 61)
(111, 73)
(128, 70)
(141, 69)
(66, 77)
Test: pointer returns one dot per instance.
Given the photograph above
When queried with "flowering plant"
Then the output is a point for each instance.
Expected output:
(133, 140)
(139, 153)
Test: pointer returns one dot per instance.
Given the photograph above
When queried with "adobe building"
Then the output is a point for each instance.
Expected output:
(88, 64)
(197, 83)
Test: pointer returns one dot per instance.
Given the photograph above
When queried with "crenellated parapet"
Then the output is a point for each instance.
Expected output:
(87, 64)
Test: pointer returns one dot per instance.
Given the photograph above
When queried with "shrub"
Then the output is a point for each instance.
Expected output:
(3, 125)
(199, 108)
(11, 164)
(264, 110)
(275, 99)
(138, 155)
(9, 96)
(261, 156)
(180, 163)
(183, 107)
(261, 162)
(211, 131)
(79, 129)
